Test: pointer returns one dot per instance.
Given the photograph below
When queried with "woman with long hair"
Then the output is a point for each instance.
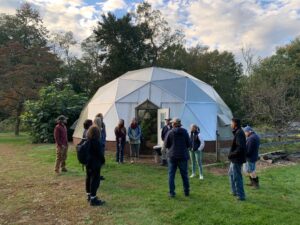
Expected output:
(96, 160)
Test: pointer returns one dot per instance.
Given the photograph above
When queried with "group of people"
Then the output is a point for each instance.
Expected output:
(178, 148)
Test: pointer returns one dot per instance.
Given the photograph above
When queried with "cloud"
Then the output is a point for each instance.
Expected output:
(233, 24)
(112, 5)
(223, 24)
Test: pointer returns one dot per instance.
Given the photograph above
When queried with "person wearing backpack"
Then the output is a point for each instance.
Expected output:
(95, 161)
(134, 134)
(120, 132)
(197, 146)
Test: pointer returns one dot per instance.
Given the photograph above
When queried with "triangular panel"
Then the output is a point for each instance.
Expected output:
(176, 87)
(126, 87)
(111, 120)
(141, 75)
(161, 74)
(206, 114)
(106, 94)
(94, 109)
(195, 94)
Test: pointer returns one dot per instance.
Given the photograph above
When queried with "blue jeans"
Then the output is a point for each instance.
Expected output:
(236, 180)
(183, 167)
(196, 156)
(120, 151)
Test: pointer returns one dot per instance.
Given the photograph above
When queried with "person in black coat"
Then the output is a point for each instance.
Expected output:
(237, 157)
(96, 160)
(177, 142)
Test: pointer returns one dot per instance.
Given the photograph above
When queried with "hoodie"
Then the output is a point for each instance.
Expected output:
(177, 142)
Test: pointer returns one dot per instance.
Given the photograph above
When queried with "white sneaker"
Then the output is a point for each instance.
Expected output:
(201, 177)
(193, 175)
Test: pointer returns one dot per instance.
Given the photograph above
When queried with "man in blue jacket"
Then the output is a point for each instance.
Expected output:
(252, 147)
(177, 142)
(237, 157)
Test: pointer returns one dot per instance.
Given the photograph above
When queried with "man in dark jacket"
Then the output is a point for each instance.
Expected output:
(252, 147)
(177, 142)
(61, 140)
(164, 133)
(237, 156)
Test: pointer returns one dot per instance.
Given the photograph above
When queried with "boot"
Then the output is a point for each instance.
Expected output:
(96, 202)
(251, 182)
(256, 182)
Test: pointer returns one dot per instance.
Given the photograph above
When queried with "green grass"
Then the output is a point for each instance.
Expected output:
(137, 194)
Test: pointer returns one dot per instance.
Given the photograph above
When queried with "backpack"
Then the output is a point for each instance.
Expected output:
(83, 151)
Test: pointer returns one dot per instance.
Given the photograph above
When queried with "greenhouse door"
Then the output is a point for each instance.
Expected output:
(162, 114)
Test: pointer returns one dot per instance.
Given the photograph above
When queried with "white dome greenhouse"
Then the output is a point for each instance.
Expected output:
(171, 93)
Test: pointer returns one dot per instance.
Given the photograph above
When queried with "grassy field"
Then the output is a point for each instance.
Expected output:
(30, 193)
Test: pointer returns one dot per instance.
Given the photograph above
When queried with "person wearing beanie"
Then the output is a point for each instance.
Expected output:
(252, 148)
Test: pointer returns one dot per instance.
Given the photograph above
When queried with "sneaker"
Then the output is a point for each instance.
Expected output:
(201, 177)
(187, 194)
(131, 161)
(96, 202)
(193, 175)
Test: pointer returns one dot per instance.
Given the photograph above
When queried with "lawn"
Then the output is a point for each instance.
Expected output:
(30, 193)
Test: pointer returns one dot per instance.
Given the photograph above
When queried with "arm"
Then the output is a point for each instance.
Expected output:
(167, 141)
(202, 145)
(187, 140)
(57, 136)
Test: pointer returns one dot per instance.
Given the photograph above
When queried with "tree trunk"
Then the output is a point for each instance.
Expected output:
(18, 120)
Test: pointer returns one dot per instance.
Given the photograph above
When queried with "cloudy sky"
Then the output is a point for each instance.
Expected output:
(219, 24)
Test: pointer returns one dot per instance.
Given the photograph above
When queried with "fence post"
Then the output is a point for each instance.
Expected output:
(217, 147)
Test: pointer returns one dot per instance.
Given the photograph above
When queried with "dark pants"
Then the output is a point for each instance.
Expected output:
(236, 180)
(92, 181)
(120, 151)
(183, 167)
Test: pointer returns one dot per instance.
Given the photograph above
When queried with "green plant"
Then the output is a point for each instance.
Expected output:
(40, 115)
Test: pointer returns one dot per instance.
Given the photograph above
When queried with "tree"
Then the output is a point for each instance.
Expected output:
(25, 61)
(23, 72)
(39, 115)
(157, 31)
(271, 93)
(123, 46)
(26, 27)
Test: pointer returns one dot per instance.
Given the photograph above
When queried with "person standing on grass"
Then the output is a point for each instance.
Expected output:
(196, 149)
(134, 134)
(93, 167)
(177, 142)
(102, 130)
(86, 125)
(237, 156)
(61, 140)
(164, 133)
(98, 122)
(120, 132)
(252, 147)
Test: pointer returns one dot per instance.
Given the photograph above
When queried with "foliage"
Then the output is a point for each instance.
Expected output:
(271, 93)
(40, 115)
(25, 61)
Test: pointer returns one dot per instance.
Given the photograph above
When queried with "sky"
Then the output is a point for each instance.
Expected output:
(230, 25)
